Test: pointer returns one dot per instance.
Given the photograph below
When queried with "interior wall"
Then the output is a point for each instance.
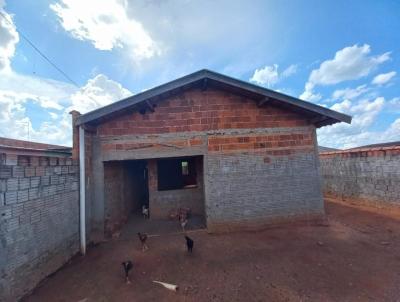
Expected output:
(163, 203)
(124, 192)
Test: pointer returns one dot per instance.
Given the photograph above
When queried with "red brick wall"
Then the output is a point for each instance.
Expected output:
(261, 143)
(197, 110)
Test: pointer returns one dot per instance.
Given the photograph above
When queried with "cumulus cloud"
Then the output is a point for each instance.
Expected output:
(309, 94)
(8, 39)
(383, 78)
(98, 92)
(365, 112)
(269, 75)
(61, 98)
(349, 63)
(106, 25)
(350, 93)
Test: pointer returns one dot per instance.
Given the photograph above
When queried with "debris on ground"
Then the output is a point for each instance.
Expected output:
(169, 286)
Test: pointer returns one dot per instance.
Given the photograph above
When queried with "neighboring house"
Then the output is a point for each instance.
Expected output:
(380, 145)
(326, 149)
(240, 155)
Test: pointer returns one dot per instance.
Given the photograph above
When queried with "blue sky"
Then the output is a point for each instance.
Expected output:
(339, 54)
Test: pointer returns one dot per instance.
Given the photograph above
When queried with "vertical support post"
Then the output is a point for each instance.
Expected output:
(82, 189)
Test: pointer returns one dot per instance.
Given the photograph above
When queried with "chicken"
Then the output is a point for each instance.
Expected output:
(127, 267)
(143, 238)
(189, 244)
(183, 222)
(145, 212)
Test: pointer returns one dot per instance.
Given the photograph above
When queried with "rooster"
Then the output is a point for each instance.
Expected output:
(143, 238)
(127, 267)
(189, 244)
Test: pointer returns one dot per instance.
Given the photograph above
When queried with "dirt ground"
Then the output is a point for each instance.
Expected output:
(355, 257)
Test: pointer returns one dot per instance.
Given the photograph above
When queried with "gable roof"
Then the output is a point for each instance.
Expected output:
(318, 115)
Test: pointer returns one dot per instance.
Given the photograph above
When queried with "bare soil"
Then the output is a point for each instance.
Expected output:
(354, 257)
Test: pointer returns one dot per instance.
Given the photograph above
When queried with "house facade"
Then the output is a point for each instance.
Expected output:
(237, 154)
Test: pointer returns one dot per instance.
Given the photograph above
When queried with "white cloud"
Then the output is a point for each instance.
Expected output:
(14, 121)
(8, 39)
(349, 63)
(106, 25)
(383, 78)
(365, 113)
(266, 76)
(309, 94)
(350, 93)
(53, 115)
(269, 75)
(291, 70)
(98, 92)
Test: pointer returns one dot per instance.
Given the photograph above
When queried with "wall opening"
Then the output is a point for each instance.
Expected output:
(176, 173)
(126, 191)
(176, 183)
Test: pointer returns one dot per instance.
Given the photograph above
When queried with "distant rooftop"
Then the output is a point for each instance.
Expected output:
(9, 143)
(326, 149)
(380, 145)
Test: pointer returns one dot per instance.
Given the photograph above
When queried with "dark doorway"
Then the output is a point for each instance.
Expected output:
(136, 184)
(126, 190)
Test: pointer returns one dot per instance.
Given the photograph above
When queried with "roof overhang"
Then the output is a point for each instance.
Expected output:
(318, 115)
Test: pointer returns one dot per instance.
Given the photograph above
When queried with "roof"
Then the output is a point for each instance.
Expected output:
(380, 145)
(326, 149)
(320, 116)
(16, 145)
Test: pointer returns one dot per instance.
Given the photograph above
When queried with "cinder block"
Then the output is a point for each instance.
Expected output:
(54, 179)
(11, 159)
(11, 197)
(23, 195)
(34, 161)
(40, 171)
(45, 180)
(43, 161)
(12, 184)
(5, 171)
(53, 161)
(24, 183)
(18, 171)
(29, 171)
(33, 193)
(35, 181)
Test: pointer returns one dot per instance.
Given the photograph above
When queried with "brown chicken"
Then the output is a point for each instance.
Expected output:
(143, 239)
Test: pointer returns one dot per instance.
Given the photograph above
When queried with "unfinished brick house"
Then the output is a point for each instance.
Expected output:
(240, 155)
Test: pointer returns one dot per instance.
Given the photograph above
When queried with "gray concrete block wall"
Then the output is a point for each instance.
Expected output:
(244, 191)
(39, 220)
(365, 178)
